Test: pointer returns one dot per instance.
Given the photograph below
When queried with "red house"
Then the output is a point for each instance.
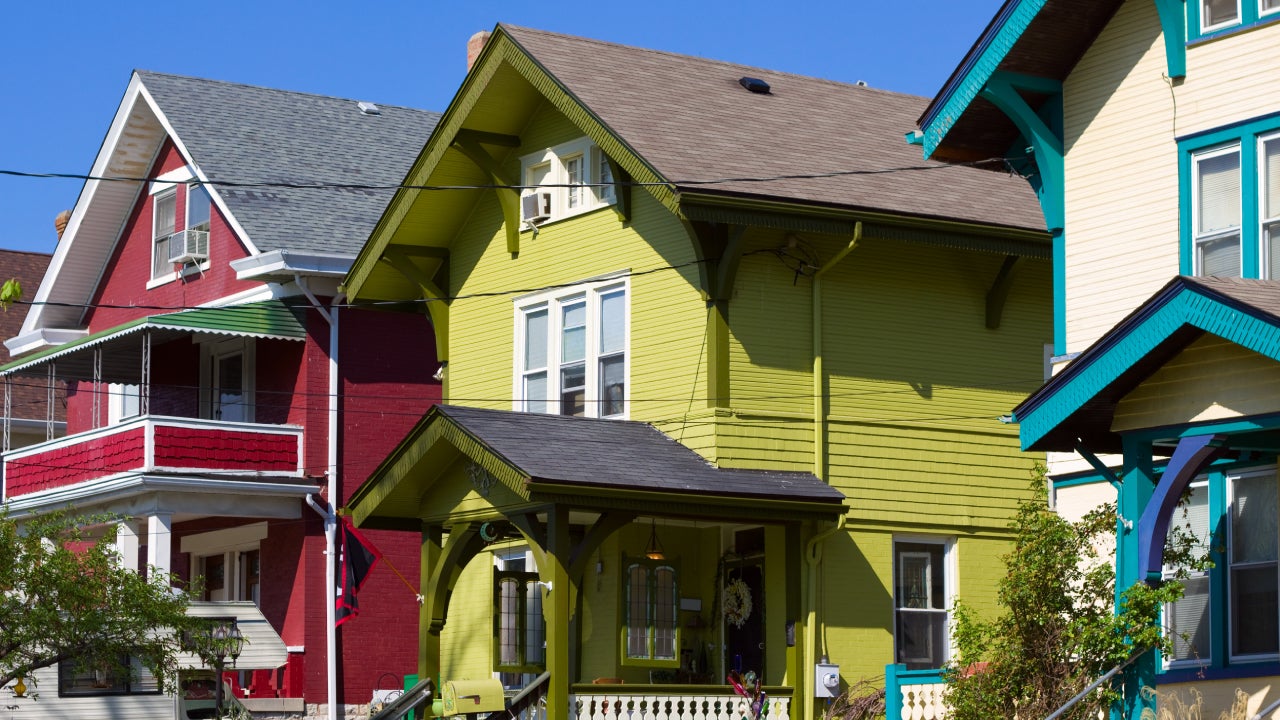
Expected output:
(220, 399)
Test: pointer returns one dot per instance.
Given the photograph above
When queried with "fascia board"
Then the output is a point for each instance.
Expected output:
(284, 262)
(41, 339)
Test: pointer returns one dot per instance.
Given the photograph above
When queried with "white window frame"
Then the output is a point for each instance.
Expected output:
(553, 302)
(557, 158)
(165, 184)
(1263, 11)
(950, 583)
(1196, 237)
(1205, 28)
(170, 193)
(124, 402)
(1232, 479)
(231, 544)
(1200, 484)
(210, 353)
(1264, 249)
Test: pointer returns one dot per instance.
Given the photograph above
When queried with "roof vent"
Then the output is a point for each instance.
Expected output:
(755, 85)
(369, 108)
(861, 83)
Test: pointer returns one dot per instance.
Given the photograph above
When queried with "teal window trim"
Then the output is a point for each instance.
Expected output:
(1251, 14)
(1248, 136)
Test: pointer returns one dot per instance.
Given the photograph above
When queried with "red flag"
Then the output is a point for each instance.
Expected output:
(356, 558)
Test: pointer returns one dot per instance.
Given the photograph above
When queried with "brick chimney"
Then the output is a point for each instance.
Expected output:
(60, 222)
(474, 46)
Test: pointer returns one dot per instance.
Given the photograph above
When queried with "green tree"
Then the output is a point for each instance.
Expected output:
(64, 597)
(10, 292)
(1058, 631)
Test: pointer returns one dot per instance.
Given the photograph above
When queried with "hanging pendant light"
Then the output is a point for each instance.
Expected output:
(653, 550)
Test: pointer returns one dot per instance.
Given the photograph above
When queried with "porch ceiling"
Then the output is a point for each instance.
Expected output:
(520, 460)
(273, 319)
(1080, 403)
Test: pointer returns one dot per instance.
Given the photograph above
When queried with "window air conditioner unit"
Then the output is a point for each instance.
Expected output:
(189, 246)
(536, 207)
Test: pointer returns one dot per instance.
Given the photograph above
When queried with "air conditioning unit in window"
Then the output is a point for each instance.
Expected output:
(535, 207)
(189, 246)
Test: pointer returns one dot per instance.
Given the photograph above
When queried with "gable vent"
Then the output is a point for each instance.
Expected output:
(369, 108)
(755, 85)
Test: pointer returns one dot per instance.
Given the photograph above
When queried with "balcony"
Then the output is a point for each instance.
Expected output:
(159, 445)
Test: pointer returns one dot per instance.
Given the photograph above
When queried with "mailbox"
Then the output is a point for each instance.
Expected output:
(464, 697)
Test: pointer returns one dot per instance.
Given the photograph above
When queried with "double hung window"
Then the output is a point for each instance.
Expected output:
(576, 176)
(1232, 200)
(180, 222)
(1188, 620)
(651, 600)
(571, 351)
(1207, 17)
(921, 605)
(1252, 578)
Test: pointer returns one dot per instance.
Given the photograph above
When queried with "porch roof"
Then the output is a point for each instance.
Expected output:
(586, 462)
(263, 649)
(272, 319)
(1079, 403)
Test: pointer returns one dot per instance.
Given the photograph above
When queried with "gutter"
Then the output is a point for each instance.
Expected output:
(330, 518)
(278, 263)
(819, 374)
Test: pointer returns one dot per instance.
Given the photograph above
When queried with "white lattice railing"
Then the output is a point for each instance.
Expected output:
(641, 704)
(914, 694)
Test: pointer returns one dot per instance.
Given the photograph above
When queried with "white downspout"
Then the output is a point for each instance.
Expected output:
(330, 518)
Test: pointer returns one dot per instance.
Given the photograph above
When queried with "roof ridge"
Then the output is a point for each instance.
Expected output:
(283, 91)
(724, 63)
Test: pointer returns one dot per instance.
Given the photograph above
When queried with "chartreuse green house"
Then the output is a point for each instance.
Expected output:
(723, 365)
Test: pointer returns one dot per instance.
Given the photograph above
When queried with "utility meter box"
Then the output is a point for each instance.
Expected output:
(464, 697)
(826, 680)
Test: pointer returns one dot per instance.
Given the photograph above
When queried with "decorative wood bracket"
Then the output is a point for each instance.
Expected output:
(1173, 23)
(469, 142)
(464, 543)
(535, 532)
(999, 292)
(606, 525)
(399, 257)
(1002, 91)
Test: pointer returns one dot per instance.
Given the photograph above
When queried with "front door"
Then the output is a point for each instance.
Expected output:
(744, 617)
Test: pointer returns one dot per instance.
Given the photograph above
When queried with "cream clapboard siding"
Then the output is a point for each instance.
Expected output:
(116, 707)
(916, 380)
(667, 318)
(1121, 121)
(1121, 175)
(1212, 379)
(1217, 696)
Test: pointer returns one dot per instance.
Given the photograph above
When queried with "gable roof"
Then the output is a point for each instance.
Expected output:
(1080, 402)
(558, 456)
(234, 132)
(690, 119)
(254, 134)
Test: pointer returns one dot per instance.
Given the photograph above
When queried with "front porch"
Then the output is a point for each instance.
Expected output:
(607, 555)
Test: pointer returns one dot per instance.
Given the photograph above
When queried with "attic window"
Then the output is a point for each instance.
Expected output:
(755, 85)
(369, 108)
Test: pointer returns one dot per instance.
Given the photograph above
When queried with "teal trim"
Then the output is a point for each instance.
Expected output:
(1092, 372)
(1135, 492)
(1186, 255)
(1218, 573)
(1223, 427)
(1250, 16)
(893, 690)
(1044, 136)
(973, 80)
(1059, 293)
(1078, 480)
(1173, 25)
(1097, 464)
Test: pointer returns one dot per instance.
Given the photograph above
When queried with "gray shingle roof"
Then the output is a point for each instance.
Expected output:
(621, 454)
(246, 133)
(691, 120)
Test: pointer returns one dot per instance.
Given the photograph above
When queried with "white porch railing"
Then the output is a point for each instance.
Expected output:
(914, 694)
(697, 703)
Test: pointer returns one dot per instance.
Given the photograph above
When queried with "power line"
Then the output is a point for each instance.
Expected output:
(325, 185)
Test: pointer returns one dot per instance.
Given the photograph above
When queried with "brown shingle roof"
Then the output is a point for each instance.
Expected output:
(690, 120)
(29, 395)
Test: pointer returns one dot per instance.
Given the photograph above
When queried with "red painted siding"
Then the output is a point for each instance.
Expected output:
(215, 449)
(129, 269)
(58, 467)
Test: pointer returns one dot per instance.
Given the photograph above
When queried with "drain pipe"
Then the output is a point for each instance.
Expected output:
(330, 518)
(813, 556)
(819, 374)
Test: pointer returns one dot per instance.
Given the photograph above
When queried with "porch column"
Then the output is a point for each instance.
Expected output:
(144, 387)
(1136, 488)
(50, 401)
(556, 606)
(428, 632)
(160, 542)
(127, 544)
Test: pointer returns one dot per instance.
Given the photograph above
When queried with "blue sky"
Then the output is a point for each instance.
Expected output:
(64, 65)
